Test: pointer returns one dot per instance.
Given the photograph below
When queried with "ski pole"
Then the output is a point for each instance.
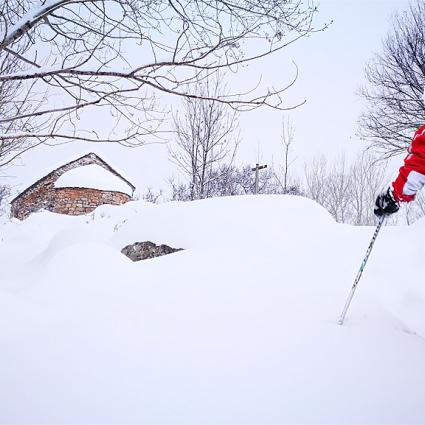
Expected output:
(359, 274)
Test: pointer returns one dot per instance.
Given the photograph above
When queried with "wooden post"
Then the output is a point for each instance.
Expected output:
(257, 168)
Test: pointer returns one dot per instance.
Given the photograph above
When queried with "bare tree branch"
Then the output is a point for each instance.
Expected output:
(396, 80)
(129, 55)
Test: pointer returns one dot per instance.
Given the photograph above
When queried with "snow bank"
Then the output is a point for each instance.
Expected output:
(95, 177)
(241, 327)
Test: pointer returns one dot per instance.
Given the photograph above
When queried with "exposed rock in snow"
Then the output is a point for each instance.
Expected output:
(144, 250)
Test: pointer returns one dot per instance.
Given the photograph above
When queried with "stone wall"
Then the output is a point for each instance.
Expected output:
(68, 200)
(78, 201)
(34, 199)
(72, 201)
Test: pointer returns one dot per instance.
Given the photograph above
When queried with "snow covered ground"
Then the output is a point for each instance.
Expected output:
(240, 327)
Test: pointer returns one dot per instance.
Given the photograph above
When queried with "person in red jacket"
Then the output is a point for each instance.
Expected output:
(410, 179)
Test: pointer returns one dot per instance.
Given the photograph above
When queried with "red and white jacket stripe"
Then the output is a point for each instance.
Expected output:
(411, 177)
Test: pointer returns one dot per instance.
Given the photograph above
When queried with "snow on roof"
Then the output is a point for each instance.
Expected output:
(93, 176)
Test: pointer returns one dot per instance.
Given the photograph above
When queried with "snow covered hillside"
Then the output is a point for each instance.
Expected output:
(240, 327)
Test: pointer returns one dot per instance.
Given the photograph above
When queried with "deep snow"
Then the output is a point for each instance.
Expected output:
(240, 327)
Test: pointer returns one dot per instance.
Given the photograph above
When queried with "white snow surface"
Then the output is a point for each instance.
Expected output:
(240, 327)
(95, 177)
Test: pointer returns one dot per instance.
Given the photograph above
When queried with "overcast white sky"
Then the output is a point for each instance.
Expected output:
(331, 69)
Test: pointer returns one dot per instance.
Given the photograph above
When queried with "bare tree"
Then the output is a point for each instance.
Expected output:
(123, 55)
(4, 194)
(367, 180)
(287, 139)
(338, 184)
(206, 136)
(348, 192)
(16, 101)
(315, 175)
(287, 182)
(396, 80)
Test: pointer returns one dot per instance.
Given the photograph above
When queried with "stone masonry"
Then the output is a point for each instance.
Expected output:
(72, 201)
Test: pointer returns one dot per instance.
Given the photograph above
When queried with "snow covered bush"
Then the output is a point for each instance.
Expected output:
(229, 180)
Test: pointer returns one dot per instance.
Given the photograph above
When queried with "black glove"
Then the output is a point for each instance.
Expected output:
(386, 204)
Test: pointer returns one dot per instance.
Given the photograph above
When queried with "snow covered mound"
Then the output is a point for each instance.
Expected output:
(240, 327)
(93, 176)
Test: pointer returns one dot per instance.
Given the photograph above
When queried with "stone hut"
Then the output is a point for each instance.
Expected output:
(75, 188)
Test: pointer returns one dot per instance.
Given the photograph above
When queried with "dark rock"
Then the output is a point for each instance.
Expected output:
(144, 250)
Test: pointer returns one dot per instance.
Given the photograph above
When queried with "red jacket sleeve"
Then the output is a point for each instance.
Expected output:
(411, 177)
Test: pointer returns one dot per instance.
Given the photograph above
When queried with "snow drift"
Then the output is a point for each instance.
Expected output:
(240, 327)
